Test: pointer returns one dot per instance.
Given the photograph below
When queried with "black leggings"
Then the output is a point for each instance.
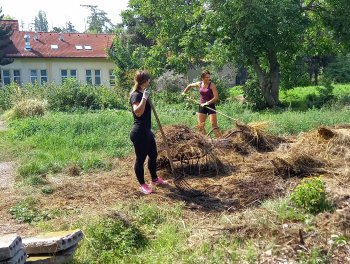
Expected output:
(144, 145)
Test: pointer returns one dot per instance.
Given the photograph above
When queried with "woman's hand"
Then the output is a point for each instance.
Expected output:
(204, 104)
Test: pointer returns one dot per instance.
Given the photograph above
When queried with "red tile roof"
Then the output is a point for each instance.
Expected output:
(41, 47)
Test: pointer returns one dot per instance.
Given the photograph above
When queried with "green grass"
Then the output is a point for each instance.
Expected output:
(57, 140)
(156, 233)
(89, 140)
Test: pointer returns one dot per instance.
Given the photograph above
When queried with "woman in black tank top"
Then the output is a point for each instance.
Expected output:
(141, 134)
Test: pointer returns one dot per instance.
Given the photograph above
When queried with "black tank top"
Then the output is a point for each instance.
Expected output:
(143, 122)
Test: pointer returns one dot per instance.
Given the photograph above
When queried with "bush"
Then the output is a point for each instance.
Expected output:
(310, 195)
(27, 108)
(68, 96)
(252, 93)
(169, 86)
(339, 70)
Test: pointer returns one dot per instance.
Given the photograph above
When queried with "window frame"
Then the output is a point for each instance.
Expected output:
(88, 81)
(97, 77)
(7, 77)
(17, 78)
(43, 76)
(33, 78)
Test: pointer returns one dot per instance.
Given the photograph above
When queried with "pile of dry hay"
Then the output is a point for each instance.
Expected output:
(246, 139)
(186, 146)
(326, 150)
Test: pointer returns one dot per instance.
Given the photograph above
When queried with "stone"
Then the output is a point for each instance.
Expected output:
(9, 245)
(63, 257)
(19, 258)
(52, 242)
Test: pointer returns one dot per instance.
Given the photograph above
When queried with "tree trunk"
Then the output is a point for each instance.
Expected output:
(269, 81)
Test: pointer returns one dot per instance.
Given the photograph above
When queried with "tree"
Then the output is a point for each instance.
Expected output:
(40, 22)
(70, 28)
(171, 28)
(98, 22)
(5, 34)
(57, 30)
(273, 38)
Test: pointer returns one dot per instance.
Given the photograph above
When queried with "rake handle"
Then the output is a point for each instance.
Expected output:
(216, 111)
(163, 136)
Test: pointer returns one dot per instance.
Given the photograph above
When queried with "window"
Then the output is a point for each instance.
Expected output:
(64, 75)
(33, 76)
(17, 76)
(54, 46)
(78, 47)
(88, 74)
(43, 76)
(73, 74)
(6, 77)
(87, 47)
(111, 78)
(97, 77)
(68, 74)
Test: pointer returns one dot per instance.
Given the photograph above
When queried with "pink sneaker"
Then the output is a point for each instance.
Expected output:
(146, 189)
(159, 181)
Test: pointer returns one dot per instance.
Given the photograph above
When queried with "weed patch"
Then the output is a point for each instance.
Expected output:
(310, 195)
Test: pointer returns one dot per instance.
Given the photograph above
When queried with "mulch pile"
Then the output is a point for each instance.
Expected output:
(256, 165)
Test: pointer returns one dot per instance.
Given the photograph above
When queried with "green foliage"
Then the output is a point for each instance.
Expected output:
(52, 143)
(73, 95)
(5, 34)
(40, 22)
(36, 180)
(97, 21)
(339, 70)
(314, 256)
(311, 195)
(169, 86)
(284, 210)
(47, 190)
(26, 211)
(324, 95)
(113, 238)
(252, 93)
(299, 97)
(27, 108)
(69, 96)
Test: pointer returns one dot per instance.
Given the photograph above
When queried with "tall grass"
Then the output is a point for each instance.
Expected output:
(57, 140)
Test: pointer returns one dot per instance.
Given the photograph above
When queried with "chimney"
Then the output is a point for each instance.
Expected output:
(61, 37)
(36, 36)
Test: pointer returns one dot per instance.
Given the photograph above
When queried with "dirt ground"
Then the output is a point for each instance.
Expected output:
(242, 178)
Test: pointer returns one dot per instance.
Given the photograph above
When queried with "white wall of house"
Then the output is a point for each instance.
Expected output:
(55, 67)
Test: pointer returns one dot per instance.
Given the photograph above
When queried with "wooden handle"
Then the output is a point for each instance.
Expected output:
(163, 135)
(216, 111)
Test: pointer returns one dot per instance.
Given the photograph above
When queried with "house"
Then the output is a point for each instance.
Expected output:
(41, 57)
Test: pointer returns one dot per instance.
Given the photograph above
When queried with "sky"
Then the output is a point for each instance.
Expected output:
(58, 12)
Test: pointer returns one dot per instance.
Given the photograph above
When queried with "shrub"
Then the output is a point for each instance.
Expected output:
(70, 95)
(27, 108)
(169, 86)
(252, 93)
(339, 70)
(310, 195)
